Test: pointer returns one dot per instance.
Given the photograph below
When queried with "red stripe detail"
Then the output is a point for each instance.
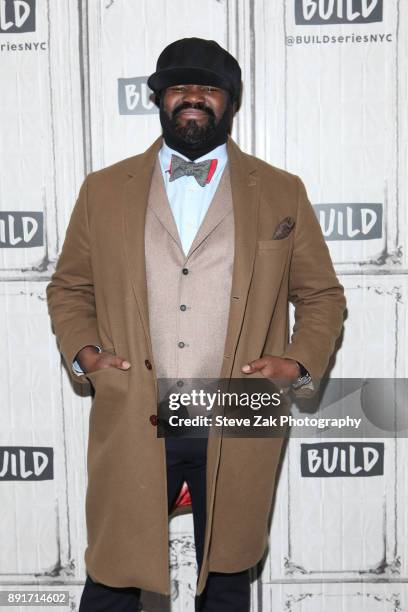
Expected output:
(183, 498)
(211, 171)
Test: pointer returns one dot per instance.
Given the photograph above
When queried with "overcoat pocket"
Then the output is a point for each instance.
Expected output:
(264, 245)
(109, 385)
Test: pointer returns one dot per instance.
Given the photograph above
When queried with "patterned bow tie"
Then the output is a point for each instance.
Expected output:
(202, 171)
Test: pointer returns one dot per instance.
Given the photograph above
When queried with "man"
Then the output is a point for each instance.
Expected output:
(179, 263)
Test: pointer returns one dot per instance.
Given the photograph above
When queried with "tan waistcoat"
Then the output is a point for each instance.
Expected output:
(189, 295)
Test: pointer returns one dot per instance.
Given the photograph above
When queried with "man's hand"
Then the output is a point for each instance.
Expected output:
(276, 368)
(91, 360)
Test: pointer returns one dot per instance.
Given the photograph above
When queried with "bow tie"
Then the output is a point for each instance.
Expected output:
(202, 171)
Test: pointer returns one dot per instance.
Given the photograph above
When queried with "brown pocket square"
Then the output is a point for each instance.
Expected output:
(283, 228)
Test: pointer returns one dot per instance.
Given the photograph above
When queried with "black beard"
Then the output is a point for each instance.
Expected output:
(210, 135)
(191, 132)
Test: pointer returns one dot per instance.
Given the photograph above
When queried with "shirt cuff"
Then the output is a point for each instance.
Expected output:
(304, 382)
(77, 368)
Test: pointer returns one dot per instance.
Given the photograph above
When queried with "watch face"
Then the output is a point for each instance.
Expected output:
(302, 381)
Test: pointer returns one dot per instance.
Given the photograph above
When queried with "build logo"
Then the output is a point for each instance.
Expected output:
(331, 459)
(21, 229)
(326, 12)
(17, 16)
(26, 463)
(134, 97)
(350, 221)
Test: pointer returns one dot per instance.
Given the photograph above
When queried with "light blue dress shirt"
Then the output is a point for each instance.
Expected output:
(188, 201)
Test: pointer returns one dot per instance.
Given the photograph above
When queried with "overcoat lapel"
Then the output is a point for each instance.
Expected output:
(217, 211)
(135, 199)
(161, 207)
(245, 198)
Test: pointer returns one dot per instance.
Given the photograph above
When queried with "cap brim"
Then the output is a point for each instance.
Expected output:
(186, 75)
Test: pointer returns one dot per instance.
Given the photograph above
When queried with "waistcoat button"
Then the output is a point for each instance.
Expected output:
(181, 345)
(183, 307)
(185, 270)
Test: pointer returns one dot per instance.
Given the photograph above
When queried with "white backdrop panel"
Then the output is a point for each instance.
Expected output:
(125, 39)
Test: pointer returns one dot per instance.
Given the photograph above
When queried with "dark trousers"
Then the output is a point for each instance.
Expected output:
(186, 461)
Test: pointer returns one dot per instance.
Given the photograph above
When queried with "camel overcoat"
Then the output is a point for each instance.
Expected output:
(98, 295)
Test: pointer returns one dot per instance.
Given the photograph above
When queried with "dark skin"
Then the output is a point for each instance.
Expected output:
(215, 98)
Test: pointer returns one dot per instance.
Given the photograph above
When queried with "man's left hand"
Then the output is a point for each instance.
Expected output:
(276, 368)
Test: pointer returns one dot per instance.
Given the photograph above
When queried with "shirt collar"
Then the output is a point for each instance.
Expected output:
(219, 153)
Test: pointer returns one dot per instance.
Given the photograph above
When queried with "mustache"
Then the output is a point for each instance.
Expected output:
(198, 106)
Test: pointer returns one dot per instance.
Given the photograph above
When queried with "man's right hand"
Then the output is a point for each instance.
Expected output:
(91, 360)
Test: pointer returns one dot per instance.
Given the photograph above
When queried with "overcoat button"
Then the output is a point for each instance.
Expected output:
(185, 270)
(148, 364)
(153, 419)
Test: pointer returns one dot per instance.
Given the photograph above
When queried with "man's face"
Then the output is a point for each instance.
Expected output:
(195, 110)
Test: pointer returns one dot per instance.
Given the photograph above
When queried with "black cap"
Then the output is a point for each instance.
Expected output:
(199, 62)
